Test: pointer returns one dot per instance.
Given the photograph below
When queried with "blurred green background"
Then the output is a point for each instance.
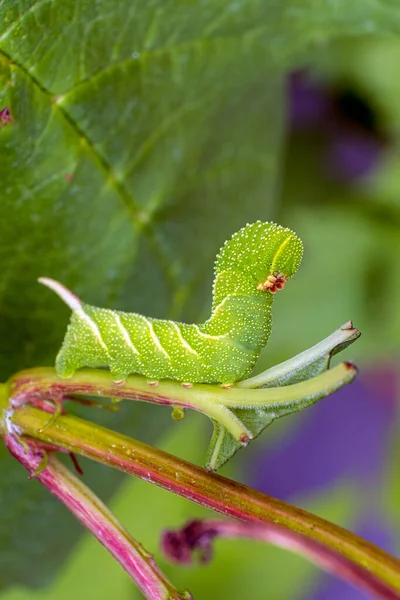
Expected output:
(145, 134)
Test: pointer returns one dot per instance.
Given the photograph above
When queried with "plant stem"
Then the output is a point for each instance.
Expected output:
(194, 483)
(198, 535)
(96, 517)
(325, 349)
(326, 383)
(36, 384)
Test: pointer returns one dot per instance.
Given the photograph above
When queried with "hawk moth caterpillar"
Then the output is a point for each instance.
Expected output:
(254, 264)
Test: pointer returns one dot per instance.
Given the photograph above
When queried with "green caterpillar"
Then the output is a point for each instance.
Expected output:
(251, 266)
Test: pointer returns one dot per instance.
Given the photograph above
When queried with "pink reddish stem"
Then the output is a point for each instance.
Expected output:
(96, 517)
(208, 489)
(198, 536)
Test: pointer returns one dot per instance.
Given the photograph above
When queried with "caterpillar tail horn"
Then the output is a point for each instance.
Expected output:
(68, 297)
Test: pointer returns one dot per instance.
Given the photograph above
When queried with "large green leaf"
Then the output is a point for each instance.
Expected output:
(144, 134)
(140, 142)
(128, 161)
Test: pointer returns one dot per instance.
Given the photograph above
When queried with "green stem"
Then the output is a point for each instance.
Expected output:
(324, 350)
(211, 400)
(324, 384)
(194, 483)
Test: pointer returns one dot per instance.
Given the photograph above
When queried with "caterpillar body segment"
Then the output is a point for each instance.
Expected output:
(251, 267)
(130, 343)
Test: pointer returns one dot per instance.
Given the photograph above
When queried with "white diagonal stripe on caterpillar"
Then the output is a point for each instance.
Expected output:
(93, 326)
(184, 343)
(155, 338)
(280, 250)
(207, 335)
(220, 305)
(125, 333)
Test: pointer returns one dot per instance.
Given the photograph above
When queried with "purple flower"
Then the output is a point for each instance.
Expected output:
(352, 140)
(343, 436)
(309, 101)
(196, 536)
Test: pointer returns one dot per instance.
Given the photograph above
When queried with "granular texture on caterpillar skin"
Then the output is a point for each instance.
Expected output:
(250, 268)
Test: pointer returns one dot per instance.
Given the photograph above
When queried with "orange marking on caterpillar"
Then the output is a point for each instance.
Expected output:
(273, 283)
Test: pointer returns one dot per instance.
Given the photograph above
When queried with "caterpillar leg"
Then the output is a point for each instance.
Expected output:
(119, 382)
(119, 375)
(65, 366)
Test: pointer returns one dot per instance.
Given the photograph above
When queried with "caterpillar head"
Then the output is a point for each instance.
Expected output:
(265, 253)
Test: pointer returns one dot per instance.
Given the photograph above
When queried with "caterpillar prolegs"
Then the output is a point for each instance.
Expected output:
(254, 264)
